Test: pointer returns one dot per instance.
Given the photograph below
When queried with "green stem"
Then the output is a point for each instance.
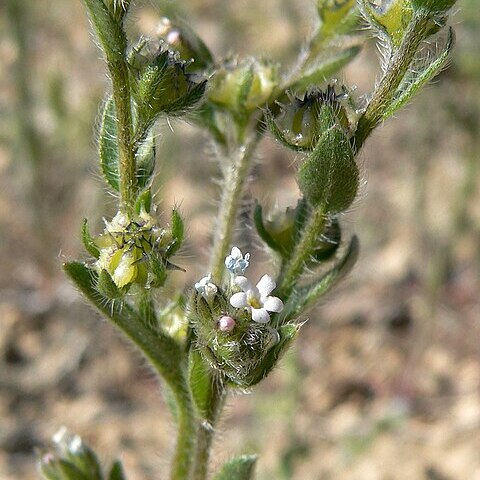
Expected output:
(230, 202)
(111, 34)
(296, 265)
(386, 89)
(122, 99)
(205, 433)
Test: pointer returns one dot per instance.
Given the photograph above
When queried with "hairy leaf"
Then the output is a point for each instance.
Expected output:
(416, 81)
(304, 297)
(108, 146)
(88, 242)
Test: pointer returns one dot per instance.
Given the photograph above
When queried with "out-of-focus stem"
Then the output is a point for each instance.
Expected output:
(229, 204)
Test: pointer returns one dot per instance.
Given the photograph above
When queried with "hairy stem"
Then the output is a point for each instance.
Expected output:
(229, 204)
(205, 434)
(110, 32)
(386, 89)
(304, 249)
(121, 97)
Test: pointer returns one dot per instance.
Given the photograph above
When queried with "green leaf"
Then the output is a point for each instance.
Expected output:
(415, 81)
(144, 201)
(262, 232)
(88, 241)
(240, 468)
(162, 351)
(202, 384)
(109, 32)
(86, 460)
(305, 297)
(178, 233)
(108, 146)
(71, 472)
(107, 287)
(158, 269)
(323, 68)
(145, 162)
(116, 473)
(329, 176)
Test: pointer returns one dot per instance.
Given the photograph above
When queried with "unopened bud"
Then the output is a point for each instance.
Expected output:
(226, 324)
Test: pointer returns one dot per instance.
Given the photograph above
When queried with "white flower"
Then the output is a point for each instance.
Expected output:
(206, 288)
(236, 263)
(257, 300)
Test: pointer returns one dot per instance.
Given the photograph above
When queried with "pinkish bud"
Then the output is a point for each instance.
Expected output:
(226, 324)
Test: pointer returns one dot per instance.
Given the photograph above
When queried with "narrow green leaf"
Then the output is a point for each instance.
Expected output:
(202, 384)
(116, 473)
(107, 287)
(145, 162)
(305, 297)
(162, 351)
(108, 145)
(324, 68)
(239, 468)
(71, 472)
(144, 201)
(88, 241)
(416, 81)
(178, 233)
(262, 232)
(109, 32)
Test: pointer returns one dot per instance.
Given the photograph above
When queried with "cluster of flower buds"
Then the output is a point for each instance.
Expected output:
(243, 86)
(72, 459)
(232, 322)
(133, 249)
(393, 17)
(161, 83)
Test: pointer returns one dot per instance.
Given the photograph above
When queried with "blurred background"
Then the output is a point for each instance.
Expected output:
(384, 381)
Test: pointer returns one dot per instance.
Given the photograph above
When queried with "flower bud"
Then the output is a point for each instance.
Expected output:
(181, 38)
(301, 122)
(227, 338)
(161, 83)
(243, 86)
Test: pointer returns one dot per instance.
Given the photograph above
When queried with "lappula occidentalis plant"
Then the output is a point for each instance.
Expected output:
(230, 332)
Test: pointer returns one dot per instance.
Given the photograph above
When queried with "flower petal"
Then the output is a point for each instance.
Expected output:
(236, 253)
(243, 283)
(266, 285)
(273, 304)
(260, 315)
(238, 300)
